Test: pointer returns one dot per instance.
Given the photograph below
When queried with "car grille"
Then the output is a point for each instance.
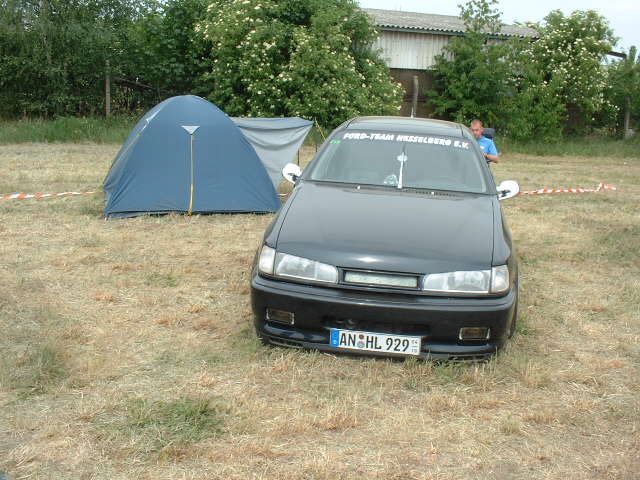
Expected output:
(381, 279)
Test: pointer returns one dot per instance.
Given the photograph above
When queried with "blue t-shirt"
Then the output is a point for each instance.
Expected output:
(487, 145)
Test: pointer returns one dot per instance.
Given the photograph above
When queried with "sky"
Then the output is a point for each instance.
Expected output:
(623, 15)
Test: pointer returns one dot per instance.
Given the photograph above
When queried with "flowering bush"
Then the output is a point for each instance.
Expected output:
(531, 109)
(569, 58)
(309, 58)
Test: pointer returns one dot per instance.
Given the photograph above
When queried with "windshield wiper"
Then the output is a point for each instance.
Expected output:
(402, 158)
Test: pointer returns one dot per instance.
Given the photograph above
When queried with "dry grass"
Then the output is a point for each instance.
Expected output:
(127, 349)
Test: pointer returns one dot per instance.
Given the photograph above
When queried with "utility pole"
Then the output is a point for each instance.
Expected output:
(107, 91)
(414, 100)
(627, 116)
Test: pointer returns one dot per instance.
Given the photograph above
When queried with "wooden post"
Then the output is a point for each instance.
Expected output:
(627, 115)
(107, 91)
(414, 100)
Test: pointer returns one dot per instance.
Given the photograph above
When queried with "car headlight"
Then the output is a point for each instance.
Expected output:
(280, 264)
(499, 279)
(266, 260)
(304, 269)
(495, 280)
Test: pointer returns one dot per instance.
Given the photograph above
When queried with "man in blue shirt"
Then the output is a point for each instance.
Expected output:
(486, 144)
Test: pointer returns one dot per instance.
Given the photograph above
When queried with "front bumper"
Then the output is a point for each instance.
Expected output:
(437, 320)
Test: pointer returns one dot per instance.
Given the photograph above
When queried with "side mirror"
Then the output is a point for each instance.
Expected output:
(508, 189)
(291, 172)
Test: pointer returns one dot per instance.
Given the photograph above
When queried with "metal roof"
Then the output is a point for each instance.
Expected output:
(432, 23)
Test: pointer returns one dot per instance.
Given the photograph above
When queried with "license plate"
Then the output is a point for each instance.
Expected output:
(375, 342)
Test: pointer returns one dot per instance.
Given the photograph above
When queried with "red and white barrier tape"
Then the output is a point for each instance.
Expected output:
(541, 191)
(544, 191)
(24, 196)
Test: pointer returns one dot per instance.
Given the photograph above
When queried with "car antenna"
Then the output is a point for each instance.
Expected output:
(402, 158)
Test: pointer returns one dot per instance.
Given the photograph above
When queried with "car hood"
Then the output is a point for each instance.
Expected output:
(388, 230)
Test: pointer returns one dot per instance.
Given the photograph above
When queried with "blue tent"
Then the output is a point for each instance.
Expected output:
(186, 155)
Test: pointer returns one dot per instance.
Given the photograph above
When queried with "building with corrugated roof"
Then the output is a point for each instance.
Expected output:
(410, 43)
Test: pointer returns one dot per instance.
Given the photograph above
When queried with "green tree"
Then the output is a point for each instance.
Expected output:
(169, 53)
(623, 81)
(471, 76)
(311, 58)
(53, 53)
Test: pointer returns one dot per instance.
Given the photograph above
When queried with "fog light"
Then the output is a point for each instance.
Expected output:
(280, 316)
(474, 333)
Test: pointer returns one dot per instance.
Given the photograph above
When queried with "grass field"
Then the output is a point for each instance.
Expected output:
(67, 129)
(117, 129)
(127, 351)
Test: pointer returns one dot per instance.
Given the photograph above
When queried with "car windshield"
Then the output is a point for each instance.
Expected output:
(400, 161)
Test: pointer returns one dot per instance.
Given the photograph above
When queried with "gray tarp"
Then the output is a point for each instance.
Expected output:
(275, 140)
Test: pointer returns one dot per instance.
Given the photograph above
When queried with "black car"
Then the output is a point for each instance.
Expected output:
(393, 242)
